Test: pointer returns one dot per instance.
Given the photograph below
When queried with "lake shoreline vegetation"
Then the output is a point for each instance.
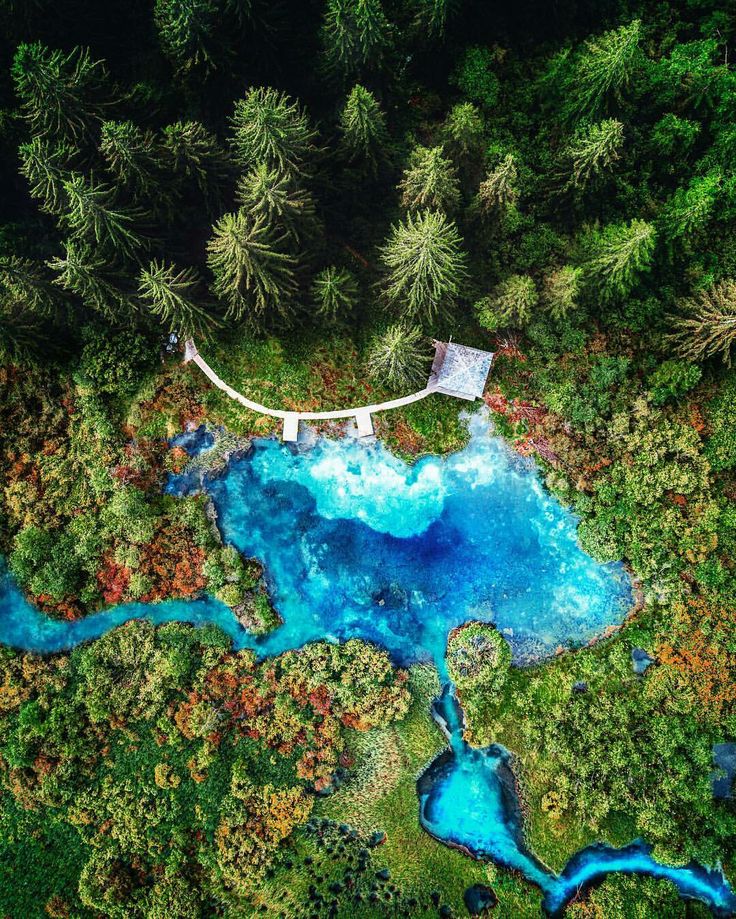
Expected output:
(316, 190)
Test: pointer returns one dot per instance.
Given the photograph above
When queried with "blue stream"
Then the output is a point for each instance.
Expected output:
(357, 543)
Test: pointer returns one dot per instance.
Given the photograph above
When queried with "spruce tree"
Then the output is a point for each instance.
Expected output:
(425, 266)
(355, 37)
(399, 357)
(86, 274)
(23, 333)
(46, 166)
(172, 295)
(252, 274)
(194, 153)
(93, 215)
(594, 150)
(60, 93)
(498, 190)
(561, 289)
(26, 282)
(363, 127)
(604, 68)
(432, 15)
(620, 252)
(708, 325)
(132, 156)
(276, 197)
(334, 293)
(269, 128)
(690, 209)
(185, 30)
(463, 129)
(512, 303)
(430, 181)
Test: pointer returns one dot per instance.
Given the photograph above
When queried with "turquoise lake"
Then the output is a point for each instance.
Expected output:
(357, 543)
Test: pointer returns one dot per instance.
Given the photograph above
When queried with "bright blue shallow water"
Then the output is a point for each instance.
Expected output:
(468, 798)
(358, 543)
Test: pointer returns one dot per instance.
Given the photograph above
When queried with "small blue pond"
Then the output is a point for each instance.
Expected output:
(357, 543)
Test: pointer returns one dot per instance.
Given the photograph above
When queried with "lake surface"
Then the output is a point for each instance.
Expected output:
(357, 543)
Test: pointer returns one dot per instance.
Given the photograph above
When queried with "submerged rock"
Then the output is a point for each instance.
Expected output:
(640, 661)
(479, 898)
(724, 760)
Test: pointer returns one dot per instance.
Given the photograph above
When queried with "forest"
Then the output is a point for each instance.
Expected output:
(314, 190)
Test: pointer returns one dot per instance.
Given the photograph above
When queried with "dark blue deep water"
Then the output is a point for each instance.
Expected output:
(356, 543)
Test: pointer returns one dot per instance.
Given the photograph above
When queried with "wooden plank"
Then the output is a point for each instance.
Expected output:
(291, 427)
(365, 424)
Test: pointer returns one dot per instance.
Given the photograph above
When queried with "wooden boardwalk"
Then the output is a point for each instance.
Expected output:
(361, 414)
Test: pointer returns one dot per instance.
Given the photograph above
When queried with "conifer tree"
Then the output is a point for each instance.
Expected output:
(334, 293)
(432, 15)
(690, 209)
(594, 150)
(708, 324)
(85, 273)
(463, 129)
(561, 289)
(171, 294)
(25, 281)
(398, 357)
(132, 156)
(424, 264)
(185, 30)
(355, 37)
(93, 215)
(512, 303)
(498, 190)
(23, 333)
(60, 92)
(620, 252)
(605, 67)
(430, 181)
(363, 127)
(193, 152)
(269, 128)
(46, 166)
(277, 198)
(252, 275)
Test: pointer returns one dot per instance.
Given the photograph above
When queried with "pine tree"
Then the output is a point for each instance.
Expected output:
(46, 166)
(498, 190)
(25, 281)
(594, 150)
(23, 333)
(252, 275)
(463, 129)
(432, 15)
(425, 265)
(690, 209)
(605, 68)
(430, 181)
(92, 215)
(512, 303)
(363, 127)
(561, 289)
(269, 128)
(334, 293)
(620, 252)
(132, 156)
(195, 153)
(708, 326)
(277, 198)
(398, 357)
(171, 294)
(355, 37)
(86, 274)
(185, 31)
(59, 92)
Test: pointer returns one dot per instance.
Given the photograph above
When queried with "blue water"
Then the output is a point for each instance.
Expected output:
(357, 543)
(468, 798)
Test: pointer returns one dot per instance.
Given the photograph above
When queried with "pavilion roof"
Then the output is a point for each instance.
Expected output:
(459, 370)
